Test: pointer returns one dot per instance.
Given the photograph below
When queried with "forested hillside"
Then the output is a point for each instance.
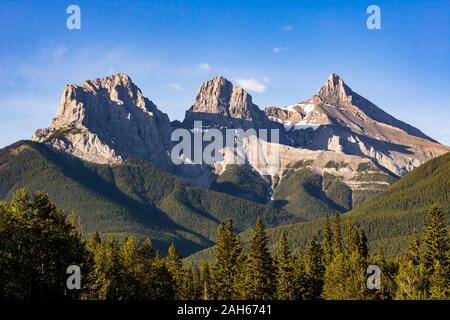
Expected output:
(388, 219)
(39, 244)
(134, 198)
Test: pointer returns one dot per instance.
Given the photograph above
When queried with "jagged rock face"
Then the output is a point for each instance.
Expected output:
(335, 90)
(107, 120)
(219, 103)
(338, 119)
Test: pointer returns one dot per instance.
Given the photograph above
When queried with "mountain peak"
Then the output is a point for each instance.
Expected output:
(106, 120)
(335, 89)
(219, 78)
(110, 82)
(219, 102)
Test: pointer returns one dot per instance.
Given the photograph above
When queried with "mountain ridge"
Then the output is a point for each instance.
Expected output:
(107, 154)
(108, 119)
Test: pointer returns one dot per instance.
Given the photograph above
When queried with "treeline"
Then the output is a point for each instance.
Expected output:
(37, 244)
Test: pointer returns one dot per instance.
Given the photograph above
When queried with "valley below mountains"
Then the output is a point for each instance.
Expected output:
(107, 156)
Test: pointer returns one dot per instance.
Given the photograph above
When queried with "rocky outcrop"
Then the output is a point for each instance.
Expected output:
(108, 120)
(340, 120)
(219, 103)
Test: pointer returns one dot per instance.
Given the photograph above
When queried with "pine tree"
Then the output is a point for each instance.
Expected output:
(146, 249)
(414, 253)
(107, 278)
(187, 290)
(175, 268)
(337, 234)
(436, 240)
(133, 269)
(205, 281)
(351, 239)
(387, 290)
(226, 252)
(412, 278)
(285, 272)
(334, 287)
(241, 271)
(301, 279)
(355, 279)
(345, 277)
(198, 285)
(95, 240)
(20, 203)
(314, 268)
(363, 249)
(259, 281)
(37, 244)
(162, 282)
(439, 283)
(327, 245)
(412, 281)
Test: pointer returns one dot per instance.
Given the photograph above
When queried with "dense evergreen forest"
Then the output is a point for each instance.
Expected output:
(38, 243)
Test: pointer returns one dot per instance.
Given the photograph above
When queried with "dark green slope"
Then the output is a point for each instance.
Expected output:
(301, 190)
(310, 195)
(133, 198)
(241, 181)
(388, 219)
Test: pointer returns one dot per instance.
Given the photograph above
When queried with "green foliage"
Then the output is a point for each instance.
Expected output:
(412, 282)
(133, 198)
(390, 217)
(338, 192)
(436, 240)
(365, 166)
(175, 268)
(306, 197)
(424, 270)
(375, 176)
(37, 245)
(327, 245)
(439, 283)
(241, 181)
(336, 165)
(314, 269)
(285, 271)
(260, 283)
(225, 267)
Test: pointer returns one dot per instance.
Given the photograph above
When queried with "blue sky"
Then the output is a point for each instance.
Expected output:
(283, 50)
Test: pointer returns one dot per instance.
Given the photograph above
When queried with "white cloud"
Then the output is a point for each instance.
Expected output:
(205, 66)
(251, 85)
(279, 49)
(266, 80)
(175, 86)
(288, 28)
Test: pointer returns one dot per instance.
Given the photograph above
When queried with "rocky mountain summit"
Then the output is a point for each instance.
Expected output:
(335, 150)
(106, 121)
(220, 103)
(340, 120)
